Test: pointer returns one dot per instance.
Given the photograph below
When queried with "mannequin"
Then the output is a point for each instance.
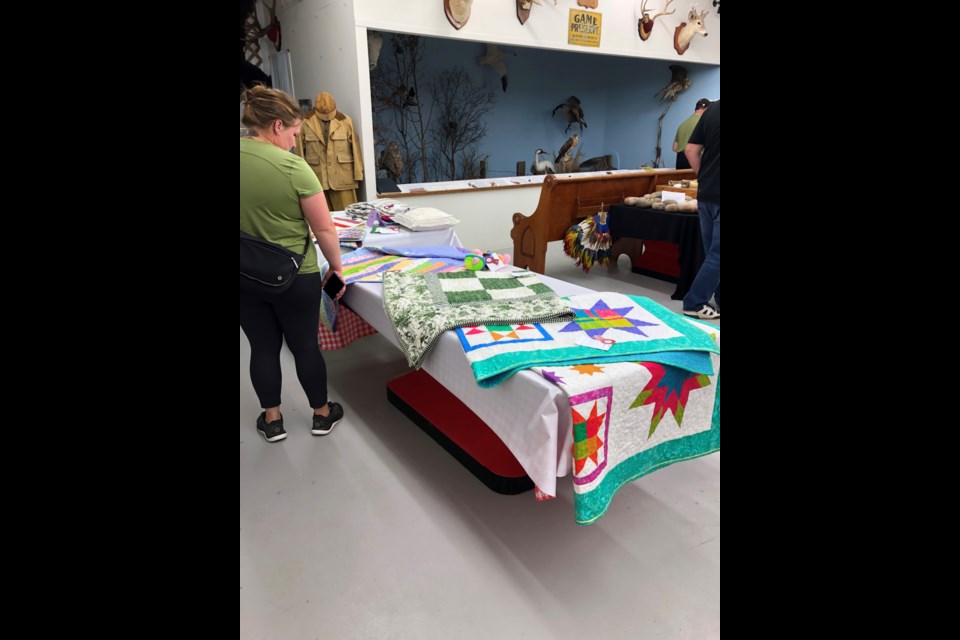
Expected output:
(329, 144)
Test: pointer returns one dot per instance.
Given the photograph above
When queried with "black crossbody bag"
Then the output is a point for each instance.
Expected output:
(268, 264)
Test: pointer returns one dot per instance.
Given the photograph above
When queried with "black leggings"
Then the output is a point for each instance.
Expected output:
(294, 315)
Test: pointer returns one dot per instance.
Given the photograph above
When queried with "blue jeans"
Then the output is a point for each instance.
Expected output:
(707, 283)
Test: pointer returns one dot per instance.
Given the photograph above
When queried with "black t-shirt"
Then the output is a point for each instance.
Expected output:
(707, 133)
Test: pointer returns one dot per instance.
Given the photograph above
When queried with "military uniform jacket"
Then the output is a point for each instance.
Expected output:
(337, 161)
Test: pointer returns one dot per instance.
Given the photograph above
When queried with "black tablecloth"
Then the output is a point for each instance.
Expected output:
(682, 229)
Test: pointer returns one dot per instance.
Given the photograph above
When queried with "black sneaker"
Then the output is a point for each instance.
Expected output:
(273, 431)
(322, 425)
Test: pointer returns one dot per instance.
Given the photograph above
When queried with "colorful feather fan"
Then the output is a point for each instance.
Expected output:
(589, 242)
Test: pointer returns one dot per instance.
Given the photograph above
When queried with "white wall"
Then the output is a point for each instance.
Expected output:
(328, 45)
(496, 21)
(323, 43)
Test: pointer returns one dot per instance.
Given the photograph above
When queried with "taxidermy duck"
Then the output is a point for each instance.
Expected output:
(540, 165)
(494, 57)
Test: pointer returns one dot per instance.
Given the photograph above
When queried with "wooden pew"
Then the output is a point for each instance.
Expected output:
(566, 201)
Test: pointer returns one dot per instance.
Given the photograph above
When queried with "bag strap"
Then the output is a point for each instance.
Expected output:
(306, 241)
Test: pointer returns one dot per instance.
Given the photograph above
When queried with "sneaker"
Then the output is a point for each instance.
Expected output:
(322, 425)
(272, 431)
(706, 312)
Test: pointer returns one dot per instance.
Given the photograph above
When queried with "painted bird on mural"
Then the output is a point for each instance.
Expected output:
(571, 108)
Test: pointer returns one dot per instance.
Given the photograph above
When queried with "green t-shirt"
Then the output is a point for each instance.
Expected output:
(272, 181)
(684, 131)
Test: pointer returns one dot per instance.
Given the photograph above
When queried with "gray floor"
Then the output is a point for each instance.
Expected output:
(376, 532)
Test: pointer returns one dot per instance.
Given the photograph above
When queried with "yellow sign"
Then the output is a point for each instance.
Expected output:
(584, 28)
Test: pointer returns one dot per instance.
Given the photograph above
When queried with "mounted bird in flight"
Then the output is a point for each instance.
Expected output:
(573, 112)
(494, 57)
(679, 82)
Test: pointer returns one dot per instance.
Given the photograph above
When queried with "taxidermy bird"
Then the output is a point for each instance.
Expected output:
(391, 159)
(573, 112)
(540, 165)
(597, 163)
(374, 44)
(567, 147)
(494, 57)
(679, 82)
(401, 98)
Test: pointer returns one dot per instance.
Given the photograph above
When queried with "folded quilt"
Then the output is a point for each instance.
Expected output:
(435, 251)
(368, 264)
(630, 419)
(422, 306)
(633, 328)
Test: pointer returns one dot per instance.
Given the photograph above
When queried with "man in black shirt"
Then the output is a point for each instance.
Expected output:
(703, 152)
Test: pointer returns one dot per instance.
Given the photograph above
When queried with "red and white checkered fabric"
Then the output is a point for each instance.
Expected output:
(350, 327)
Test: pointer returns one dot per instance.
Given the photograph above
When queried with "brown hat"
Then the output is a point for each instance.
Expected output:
(326, 107)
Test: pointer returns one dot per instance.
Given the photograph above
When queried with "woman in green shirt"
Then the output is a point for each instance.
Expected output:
(281, 199)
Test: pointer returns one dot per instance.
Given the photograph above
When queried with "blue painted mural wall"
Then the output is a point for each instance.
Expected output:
(617, 95)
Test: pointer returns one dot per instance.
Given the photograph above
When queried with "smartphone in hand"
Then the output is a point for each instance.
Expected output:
(334, 285)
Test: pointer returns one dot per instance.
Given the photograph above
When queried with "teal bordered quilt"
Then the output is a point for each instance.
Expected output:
(651, 399)
(631, 327)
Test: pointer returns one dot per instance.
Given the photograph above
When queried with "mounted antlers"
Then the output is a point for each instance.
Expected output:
(272, 30)
(252, 32)
(645, 24)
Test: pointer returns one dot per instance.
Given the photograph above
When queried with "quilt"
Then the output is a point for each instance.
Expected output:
(607, 327)
(633, 418)
(369, 265)
(422, 306)
(646, 396)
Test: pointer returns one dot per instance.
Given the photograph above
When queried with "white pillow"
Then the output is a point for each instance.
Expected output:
(425, 219)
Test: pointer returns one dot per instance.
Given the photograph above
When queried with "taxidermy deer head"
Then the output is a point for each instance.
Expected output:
(683, 34)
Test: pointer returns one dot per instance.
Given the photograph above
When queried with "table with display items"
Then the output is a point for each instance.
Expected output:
(510, 436)
(681, 229)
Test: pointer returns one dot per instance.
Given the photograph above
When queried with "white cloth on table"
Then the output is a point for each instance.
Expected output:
(405, 239)
(530, 415)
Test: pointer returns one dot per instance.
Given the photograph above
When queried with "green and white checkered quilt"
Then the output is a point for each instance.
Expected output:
(422, 306)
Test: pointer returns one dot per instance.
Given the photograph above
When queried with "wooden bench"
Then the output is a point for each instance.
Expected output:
(566, 201)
